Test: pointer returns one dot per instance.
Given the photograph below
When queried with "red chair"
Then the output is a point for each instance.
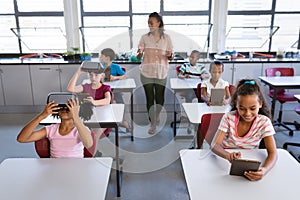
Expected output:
(208, 127)
(42, 148)
(282, 95)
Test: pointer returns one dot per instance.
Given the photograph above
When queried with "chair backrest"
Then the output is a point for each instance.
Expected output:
(198, 93)
(42, 148)
(177, 69)
(208, 127)
(279, 71)
(231, 89)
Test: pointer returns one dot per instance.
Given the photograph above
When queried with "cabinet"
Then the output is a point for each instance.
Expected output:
(67, 72)
(246, 70)
(1, 89)
(45, 79)
(15, 81)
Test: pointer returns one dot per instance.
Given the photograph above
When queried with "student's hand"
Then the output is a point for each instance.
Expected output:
(112, 78)
(233, 156)
(51, 108)
(73, 106)
(255, 176)
(208, 103)
(187, 76)
(225, 101)
(90, 99)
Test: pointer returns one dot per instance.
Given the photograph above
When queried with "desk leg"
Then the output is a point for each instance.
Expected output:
(273, 103)
(117, 162)
(174, 122)
(131, 112)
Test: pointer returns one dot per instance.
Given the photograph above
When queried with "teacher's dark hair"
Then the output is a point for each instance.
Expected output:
(158, 17)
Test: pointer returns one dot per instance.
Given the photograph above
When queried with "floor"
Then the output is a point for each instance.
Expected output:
(151, 164)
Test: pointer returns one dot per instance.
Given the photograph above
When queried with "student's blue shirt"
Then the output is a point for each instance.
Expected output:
(116, 70)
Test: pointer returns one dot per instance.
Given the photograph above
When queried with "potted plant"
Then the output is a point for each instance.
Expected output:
(68, 56)
(84, 56)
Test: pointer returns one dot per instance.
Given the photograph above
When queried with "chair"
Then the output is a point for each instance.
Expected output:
(287, 144)
(282, 95)
(208, 127)
(42, 148)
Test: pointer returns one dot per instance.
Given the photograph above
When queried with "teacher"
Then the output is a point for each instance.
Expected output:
(157, 48)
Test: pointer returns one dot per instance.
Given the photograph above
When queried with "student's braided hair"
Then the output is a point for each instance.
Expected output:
(249, 87)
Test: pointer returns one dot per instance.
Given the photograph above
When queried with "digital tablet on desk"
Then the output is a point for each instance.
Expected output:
(217, 96)
(239, 166)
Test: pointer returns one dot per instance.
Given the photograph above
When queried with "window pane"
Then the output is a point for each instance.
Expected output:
(39, 5)
(249, 5)
(104, 32)
(42, 34)
(287, 5)
(7, 6)
(191, 32)
(287, 34)
(145, 6)
(179, 5)
(245, 38)
(8, 41)
(100, 6)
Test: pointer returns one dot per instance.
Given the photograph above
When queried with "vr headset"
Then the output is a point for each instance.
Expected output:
(61, 98)
(95, 67)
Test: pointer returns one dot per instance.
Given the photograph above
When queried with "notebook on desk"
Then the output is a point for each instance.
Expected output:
(217, 96)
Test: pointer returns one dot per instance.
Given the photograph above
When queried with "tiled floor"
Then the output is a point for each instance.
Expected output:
(151, 166)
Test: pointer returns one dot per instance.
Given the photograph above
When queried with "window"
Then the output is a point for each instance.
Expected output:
(105, 6)
(42, 34)
(8, 41)
(40, 6)
(179, 5)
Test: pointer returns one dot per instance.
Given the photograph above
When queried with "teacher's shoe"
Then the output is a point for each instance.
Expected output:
(152, 129)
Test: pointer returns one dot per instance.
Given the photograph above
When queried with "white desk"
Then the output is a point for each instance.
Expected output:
(207, 177)
(280, 82)
(108, 116)
(54, 178)
(182, 84)
(194, 111)
(125, 85)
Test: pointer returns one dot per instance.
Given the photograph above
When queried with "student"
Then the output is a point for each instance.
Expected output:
(106, 58)
(157, 48)
(116, 73)
(100, 94)
(68, 138)
(192, 69)
(245, 126)
(216, 70)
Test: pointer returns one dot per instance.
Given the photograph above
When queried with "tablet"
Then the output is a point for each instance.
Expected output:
(82, 96)
(239, 166)
(217, 96)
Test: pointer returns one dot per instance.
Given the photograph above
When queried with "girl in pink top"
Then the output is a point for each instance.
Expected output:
(68, 138)
(245, 126)
(100, 94)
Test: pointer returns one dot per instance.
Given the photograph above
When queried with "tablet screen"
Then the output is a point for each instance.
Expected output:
(238, 167)
(217, 96)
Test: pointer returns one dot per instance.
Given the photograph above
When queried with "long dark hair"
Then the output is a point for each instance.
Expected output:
(249, 87)
(158, 17)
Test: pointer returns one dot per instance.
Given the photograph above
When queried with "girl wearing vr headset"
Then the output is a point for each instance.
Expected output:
(68, 138)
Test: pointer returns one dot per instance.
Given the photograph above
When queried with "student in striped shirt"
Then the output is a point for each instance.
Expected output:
(245, 126)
